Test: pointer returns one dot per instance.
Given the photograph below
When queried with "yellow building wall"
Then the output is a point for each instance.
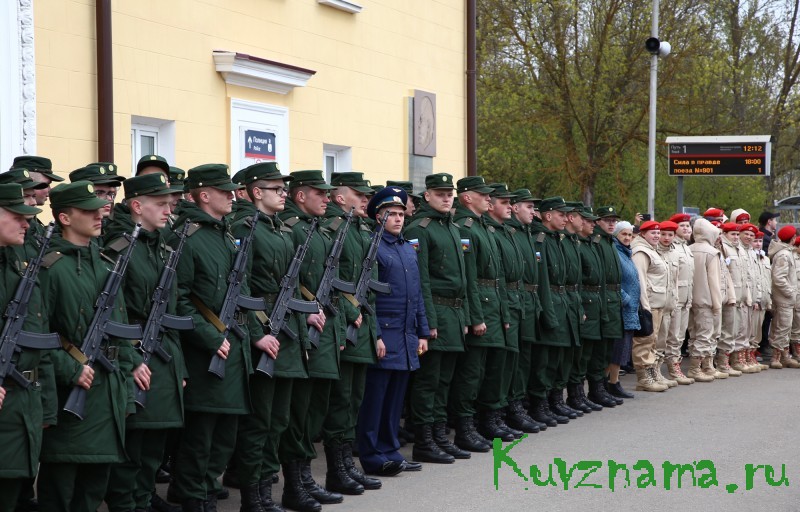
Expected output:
(367, 64)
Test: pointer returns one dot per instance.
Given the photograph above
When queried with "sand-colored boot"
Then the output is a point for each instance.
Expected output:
(787, 361)
(775, 363)
(676, 374)
(751, 355)
(709, 369)
(696, 373)
(723, 366)
(746, 368)
(750, 362)
(736, 362)
(660, 376)
(646, 380)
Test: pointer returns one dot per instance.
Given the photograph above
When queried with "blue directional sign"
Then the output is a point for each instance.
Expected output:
(259, 145)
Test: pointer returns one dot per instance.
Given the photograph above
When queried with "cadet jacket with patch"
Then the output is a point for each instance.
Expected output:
(164, 407)
(685, 272)
(672, 260)
(784, 275)
(441, 268)
(764, 271)
(654, 277)
(71, 280)
(735, 268)
(706, 287)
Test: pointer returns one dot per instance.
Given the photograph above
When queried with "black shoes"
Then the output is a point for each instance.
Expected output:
(467, 438)
(539, 411)
(411, 466)
(490, 429)
(555, 398)
(616, 390)
(389, 468)
(295, 496)
(251, 499)
(574, 400)
(337, 478)
(159, 504)
(518, 419)
(425, 450)
(443, 442)
(265, 493)
(598, 394)
(368, 483)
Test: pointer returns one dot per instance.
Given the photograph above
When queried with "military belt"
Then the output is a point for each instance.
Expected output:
(571, 287)
(240, 317)
(446, 301)
(533, 288)
(612, 287)
(557, 289)
(512, 285)
(595, 289)
(31, 376)
(111, 353)
(492, 283)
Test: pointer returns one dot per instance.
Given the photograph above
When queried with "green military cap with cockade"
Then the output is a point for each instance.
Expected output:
(522, 195)
(354, 180)
(98, 173)
(309, 178)
(211, 175)
(176, 178)
(23, 177)
(606, 211)
(265, 171)
(500, 191)
(147, 185)
(38, 164)
(439, 180)
(473, 184)
(152, 161)
(11, 199)
(78, 194)
(588, 214)
(554, 203)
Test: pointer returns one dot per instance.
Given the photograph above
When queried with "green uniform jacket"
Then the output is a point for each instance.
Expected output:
(482, 262)
(323, 363)
(164, 408)
(356, 245)
(273, 250)
(592, 296)
(557, 327)
(25, 410)
(440, 259)
(512, 267)
(572, 257)
(533, 275)
(72, 278)
(203, 269)
(613, 327)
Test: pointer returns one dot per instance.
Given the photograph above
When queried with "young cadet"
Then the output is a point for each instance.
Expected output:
(41, 171)
(784, 291)
(77, 455)
(132, 482)
(23, 410)
(557, 326)
(763, 298)
(308, 198)
(347, 393)
(739, 360)
(273, 249)
(501, 365)
(444, 289)
(533, 272)
(486, 330)
(707, 302)
(679, 321)
(212, 405)
(731, 314)
(667, 251)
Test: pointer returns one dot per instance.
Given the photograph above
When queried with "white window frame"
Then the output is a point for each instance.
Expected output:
(164, 132)
(342, 159)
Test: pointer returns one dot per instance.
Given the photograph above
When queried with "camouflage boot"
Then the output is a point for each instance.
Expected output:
(675, 372)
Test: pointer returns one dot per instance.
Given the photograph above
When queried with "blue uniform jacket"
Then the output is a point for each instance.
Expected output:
(401, 314)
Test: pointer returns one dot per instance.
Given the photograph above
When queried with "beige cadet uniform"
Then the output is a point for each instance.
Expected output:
(784, 291)
(672, 260)
(730, 310)
(707, 298)
(744, 333)
(794, 337)
(680, 317)
(654, 278)
(762, 296)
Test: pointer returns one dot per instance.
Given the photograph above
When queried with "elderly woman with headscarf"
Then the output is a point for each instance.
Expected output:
(629, 289)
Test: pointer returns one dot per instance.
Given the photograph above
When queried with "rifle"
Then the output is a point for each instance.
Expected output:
(285, 302)
(158, 320)
(234, 300)
(329, 283)
(12, 337)
(102, 326)
(365, 282)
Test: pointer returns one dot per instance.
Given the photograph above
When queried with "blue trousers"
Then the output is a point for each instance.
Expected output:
(379, 417)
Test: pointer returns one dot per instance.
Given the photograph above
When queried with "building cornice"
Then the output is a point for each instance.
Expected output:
(342, 5)
(259, 73)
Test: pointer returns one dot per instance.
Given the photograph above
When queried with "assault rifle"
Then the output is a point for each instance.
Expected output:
(158, 320)
(329, 283)
(365, 282)
(102, 327)
(286, 303)
(12, 337)
(234, 301)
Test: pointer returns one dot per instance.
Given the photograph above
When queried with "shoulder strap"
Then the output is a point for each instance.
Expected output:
(51, 258)
(468, 222)
(335, 224)
(540, 237)
(192, 230)
(119, 244)
(424, 222)
(291, 221)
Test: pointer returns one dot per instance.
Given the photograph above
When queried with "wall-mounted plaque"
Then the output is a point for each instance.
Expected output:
(424, 123)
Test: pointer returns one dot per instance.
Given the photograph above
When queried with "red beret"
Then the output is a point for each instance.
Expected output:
(650, 224)
(760, 235)
(716, 223)
(786, 233)
(730, 226)
(742, 216)
(714, 212)
(797, 241)
(749, 227)
(668, 225)
(680, 217)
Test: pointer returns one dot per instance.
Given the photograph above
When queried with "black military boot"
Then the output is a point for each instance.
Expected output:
(555, 398)
(439, 432)
(251, 499)
(502, 425)
(159, 504)
(599, 395)
(425, 450)
(316, 491)
(193, 505)
(338, 479)
(368, 483)
(295, 496)
(517, 418)
(467, 437)
(211, 503)
(488, 428)
(592, 405)
(265, 493)
(539, 413)
(574, 399)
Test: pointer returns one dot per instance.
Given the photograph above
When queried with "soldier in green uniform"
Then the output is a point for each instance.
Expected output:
(557, 326)
(29, 190)
(242, 199)
(77, 455)
(444, 289)
(273, 249)
(212, 405)
(147, 203)
(485, 331)
(105, 180)
(310, 397)
(501, 365)
(612, 328)
(347, 393)
(176, 177)
(530, 293)
(23, 410)
(151, 164)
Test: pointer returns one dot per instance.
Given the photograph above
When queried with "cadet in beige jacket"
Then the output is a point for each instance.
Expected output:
(653, 279)
(763, 300)
(679, 322)
(784, 291)
(752, 284)
(794, 337)
(731, 314)
(665, 350)
(707, 300)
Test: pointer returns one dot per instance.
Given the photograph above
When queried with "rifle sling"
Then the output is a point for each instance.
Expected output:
(73, 351)
(209, 315)
(306, 293)
(351, 299)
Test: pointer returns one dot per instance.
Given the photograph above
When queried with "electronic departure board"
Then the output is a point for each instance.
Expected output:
(719, 156)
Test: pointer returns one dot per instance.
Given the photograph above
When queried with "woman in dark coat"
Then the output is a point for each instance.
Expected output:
(402, 338)
(623, 234)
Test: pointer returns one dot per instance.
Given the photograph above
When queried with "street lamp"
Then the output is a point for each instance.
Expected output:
(657, 49)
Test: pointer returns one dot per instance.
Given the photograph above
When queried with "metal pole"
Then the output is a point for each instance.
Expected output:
(680, 194)
(651, 164)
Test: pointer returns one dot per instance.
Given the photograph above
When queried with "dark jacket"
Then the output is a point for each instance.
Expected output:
(401, 314)
(629, 287)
